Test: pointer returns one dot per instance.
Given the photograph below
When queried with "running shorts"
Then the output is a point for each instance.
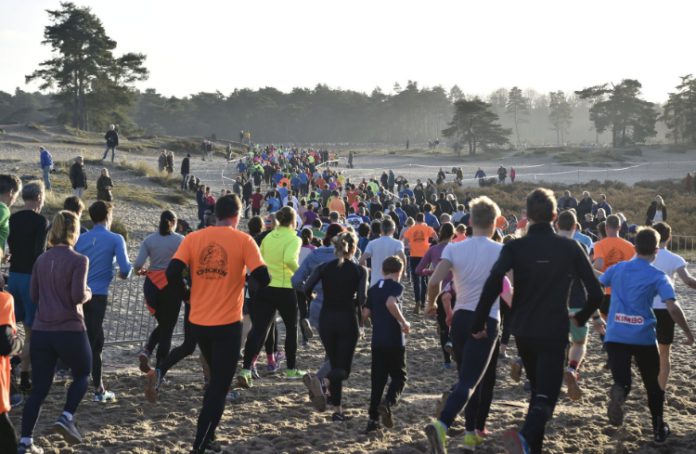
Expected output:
(664, 327)
(577, 333)
(604, 307)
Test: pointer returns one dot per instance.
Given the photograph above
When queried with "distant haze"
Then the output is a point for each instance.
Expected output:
(481, 46)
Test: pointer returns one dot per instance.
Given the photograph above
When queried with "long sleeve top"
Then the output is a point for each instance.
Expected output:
(544, 266)
(103, 248)
(341, 283)
(59, 288)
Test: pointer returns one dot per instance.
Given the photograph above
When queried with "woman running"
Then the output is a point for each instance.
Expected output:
(425, 268)
(280, 250)
(59, 288)
(339, 327)
(161, 300)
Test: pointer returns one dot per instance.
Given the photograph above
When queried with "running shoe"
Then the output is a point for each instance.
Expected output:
(662, 433)
(68, 430)
(441, 403)
(372, 426)
(615, 412)
(471, 441)
(416, 310)
(306, 328)
(294, 373)
(233, 396)
(483, 433)
(279, 357)
(515, 443)
(385, 415)
(436, 432)
(272, 368)
(338, 417)
(29, 449)
(152, 382)
(244, 378)
(213, 446)
(255, 372)
(571, 380)
(447, 366)
(315, 390)
(144, 361)
(104, 396)
(449, 348)
(516, 369)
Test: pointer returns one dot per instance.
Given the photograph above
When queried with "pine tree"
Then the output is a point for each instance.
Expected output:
(518, 107)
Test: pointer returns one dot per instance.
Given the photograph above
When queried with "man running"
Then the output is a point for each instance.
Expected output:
(103, 248)
(610, 251)
(379, 249)
(631, 329)
(543, 265)
(418, 240)
(669, 263)
(218, 257)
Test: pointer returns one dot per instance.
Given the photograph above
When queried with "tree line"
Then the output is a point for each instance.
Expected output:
(86, 85)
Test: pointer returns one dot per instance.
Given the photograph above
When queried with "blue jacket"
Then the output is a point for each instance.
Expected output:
(103, 248)
(318, 256)
(46, 159)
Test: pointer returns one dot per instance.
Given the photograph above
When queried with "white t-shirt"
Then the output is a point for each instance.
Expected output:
(379, 249)
(472, 261)
(668, 262)
(658, 216)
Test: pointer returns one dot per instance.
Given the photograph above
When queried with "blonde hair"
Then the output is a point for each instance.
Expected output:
(65, 229)
(345, 244)
(484, 212)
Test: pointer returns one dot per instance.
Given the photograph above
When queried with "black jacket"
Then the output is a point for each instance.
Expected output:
(111, 138)
(78, 177)
(651, 213)
(584, 207)
(185, 166)
(544, 266)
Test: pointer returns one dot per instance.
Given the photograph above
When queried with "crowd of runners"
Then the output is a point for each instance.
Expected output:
(330, 255)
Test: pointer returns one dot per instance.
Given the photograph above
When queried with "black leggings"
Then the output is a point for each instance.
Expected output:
(442, 329)
(166, 306)
(267, 301)
(185, 349)
(220, 348)
(544, 363)
(648, 361)
(8, 438)
(94, 312)
(339, 332)
(46, 347)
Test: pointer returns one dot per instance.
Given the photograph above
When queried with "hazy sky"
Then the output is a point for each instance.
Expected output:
(206, 45)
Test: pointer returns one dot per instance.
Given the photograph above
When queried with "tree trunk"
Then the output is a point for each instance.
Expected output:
(517, 130)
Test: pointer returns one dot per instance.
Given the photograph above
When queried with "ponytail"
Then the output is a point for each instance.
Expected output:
(167, 222)
(345, 245)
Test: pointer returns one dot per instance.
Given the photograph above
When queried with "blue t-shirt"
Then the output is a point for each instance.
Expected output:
(273, 204)
(432, 220)
(583, 239)
(634, 284)
(386, 331)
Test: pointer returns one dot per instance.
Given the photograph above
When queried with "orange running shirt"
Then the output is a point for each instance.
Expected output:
(218, 258)
(613, 250)
(7, 317)
(337, 204)
(418, 236)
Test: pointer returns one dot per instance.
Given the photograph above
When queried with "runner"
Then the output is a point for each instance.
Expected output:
(543, 264)
(631, 329)
(669, 263)
(160, 298)
(388, 345)
(473, 355)
(102, 247)
(378, 250)
(576, 301)
(608, 252)
(10, 345)
(59, 287)
(217, 257)
(425, 268)
(339, 321)
(417, 240)
(281, 251)
(27, 241)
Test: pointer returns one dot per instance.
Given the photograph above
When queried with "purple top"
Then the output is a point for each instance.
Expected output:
(433, 256)
(59, 288)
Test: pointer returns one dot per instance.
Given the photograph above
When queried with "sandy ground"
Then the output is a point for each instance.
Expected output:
(275, 416)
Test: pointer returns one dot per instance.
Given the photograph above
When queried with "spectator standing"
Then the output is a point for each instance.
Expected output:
(657, 212)
(111, 137)
(185, 171)
(104, 186)
(46, 166)
(78, 177)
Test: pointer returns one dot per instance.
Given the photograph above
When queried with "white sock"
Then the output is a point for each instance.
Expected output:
(27, 441)
(68, 415)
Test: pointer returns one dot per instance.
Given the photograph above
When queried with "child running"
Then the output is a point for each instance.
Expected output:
(388, 342)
